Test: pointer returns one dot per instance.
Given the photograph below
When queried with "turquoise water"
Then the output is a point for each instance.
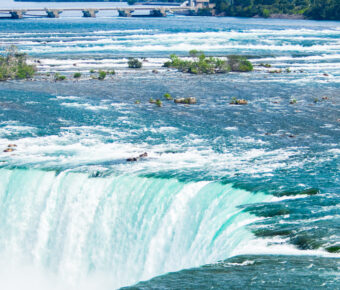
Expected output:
(222, 190)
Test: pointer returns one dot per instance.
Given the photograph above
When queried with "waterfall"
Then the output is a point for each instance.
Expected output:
(123, 229)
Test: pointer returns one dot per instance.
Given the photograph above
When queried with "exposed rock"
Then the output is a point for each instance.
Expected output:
(155, 71)
(145, 154)
(235, 101)
(133, 159)
(9, 150)
(179, 100)
(11, 145)
(326, 75)
(190, 101)
(242, 102)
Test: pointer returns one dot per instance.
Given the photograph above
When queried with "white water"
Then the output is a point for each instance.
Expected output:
(76, 232)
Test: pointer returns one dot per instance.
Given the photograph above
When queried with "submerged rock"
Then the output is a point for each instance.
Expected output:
(310, 191)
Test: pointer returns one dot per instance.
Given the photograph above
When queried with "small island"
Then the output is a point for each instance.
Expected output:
(200, 64)
(13, 65)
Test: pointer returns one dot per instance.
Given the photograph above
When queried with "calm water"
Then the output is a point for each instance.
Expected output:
(217, 193)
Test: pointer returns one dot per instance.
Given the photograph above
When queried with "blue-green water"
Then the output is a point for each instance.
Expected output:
(218, 191)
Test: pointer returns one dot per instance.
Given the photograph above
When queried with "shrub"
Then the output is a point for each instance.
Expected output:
(92, 71)
(25, 71)
(134, 63)
(102, 75)
(239, 63)
(168, 96)
(159, 103)
(267, 65)
(77, 75)
(112, 72)
(59, 77)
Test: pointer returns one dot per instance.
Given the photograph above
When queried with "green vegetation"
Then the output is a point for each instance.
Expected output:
(101, 75)
(209, 65)
(152, 101)
(77, 75)
(333, 249)
(267, 65)
(293, 101)
(111, 72)
(168, 97)
(239, 63)
(313, 9)
(134, 63)
(159, 103)
(59, 77)
(13, 65)
(92, 71)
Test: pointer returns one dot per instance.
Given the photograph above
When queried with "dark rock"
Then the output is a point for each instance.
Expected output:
(9, 150)
(134, 159)
(131, 159)
(145, 154)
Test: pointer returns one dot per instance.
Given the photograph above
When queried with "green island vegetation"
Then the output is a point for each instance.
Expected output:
(200, 64)
(312, 9)
(293, 101)
(13, 65)
(102, 75)
(59, 77)
(159, 103)
(333, 249)
(168, 97)
(77, 75)
(134, 63)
